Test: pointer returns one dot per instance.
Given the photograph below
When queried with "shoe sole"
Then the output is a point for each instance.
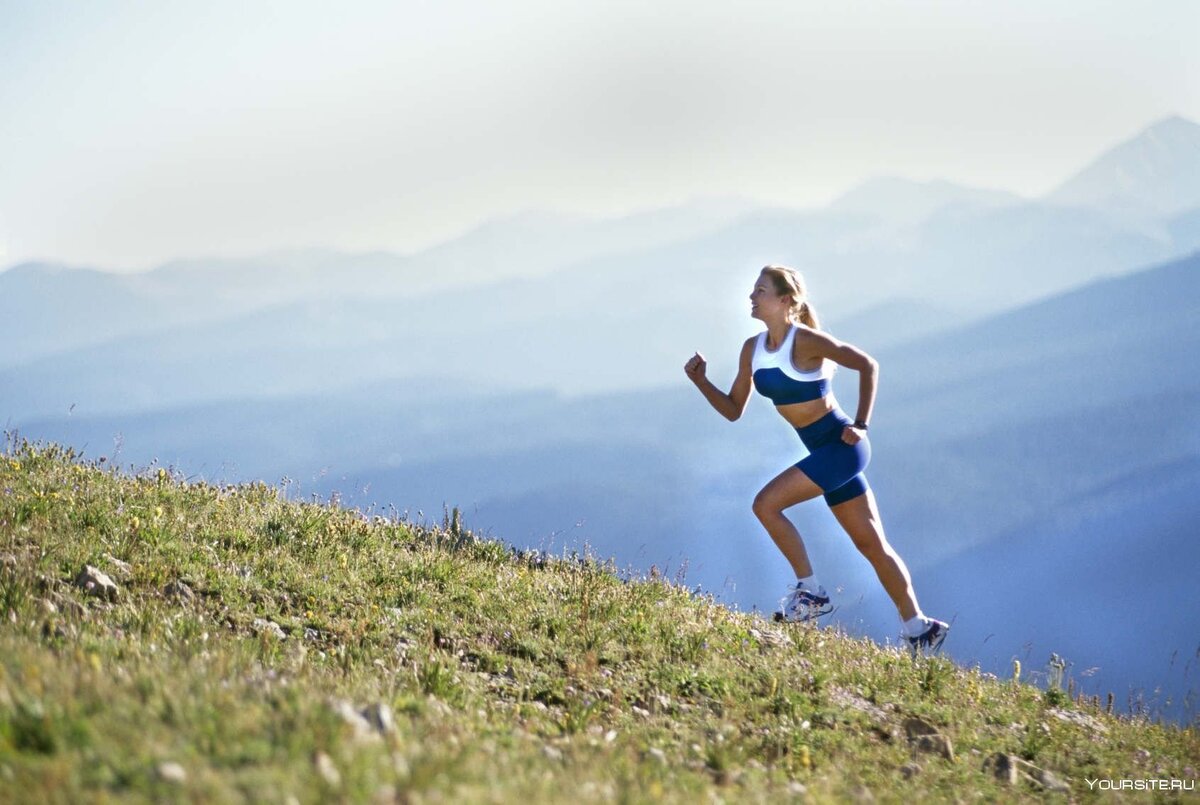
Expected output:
(779, 617)
(933, 647)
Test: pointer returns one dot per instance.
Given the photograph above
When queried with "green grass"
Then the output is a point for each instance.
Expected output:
(513, 677)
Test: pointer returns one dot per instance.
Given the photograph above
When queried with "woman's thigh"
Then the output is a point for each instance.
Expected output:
(786, 489)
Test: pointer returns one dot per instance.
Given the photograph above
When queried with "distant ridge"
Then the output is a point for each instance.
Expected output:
(906, 201)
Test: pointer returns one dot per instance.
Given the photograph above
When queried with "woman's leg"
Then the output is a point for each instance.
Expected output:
(860, 518)
(786, 489)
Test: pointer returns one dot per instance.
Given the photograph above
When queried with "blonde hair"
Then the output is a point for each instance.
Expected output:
(789, 282)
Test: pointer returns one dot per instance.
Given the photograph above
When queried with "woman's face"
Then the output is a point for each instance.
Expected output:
(765, 302)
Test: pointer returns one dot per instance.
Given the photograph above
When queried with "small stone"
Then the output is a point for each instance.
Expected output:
(658, 755)
(177, 589)
(798, 789)
(915, 727)
(94, 582)
(270, 628)
(910, 770)
(552, 752)
(171, 772)
(363, 731)
(122, 569)
(326, 768)
(610, 736)
(1082, 719)
(379, 716)
(936, 745)
(1051, 781)
(48, 606)
(1002, 767)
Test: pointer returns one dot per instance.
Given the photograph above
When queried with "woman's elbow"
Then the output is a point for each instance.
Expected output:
(868, 365)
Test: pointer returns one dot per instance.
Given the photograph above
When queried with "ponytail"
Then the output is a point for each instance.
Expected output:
(806, 314)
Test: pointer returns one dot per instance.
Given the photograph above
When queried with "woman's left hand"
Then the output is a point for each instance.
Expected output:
(852, 435)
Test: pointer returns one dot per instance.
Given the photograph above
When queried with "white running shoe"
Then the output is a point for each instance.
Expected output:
(931, 639)
(802, 605)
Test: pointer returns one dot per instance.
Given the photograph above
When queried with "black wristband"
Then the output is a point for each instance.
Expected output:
(862, 425)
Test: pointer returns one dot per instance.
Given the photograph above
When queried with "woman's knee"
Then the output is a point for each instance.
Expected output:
(764, 508)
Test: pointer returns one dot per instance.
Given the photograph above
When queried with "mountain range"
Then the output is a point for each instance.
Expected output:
(193, 331)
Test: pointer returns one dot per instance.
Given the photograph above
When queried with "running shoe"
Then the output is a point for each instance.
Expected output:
(931, 639)
(802, 605)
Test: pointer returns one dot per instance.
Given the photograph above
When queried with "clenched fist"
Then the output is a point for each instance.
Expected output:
(696, 367)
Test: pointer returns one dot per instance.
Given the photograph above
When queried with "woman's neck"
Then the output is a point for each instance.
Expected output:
(777, 331)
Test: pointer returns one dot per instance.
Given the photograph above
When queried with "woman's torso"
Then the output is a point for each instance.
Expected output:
(799, 386)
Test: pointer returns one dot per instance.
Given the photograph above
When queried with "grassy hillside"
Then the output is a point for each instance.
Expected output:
(257, 649)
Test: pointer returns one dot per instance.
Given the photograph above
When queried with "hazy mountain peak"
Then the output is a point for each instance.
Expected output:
(908, 201)
(1154, 173)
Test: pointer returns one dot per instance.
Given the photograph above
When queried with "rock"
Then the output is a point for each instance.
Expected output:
(1011, 769)
(1037, 777)
(271, 628)
(552, 753)
(48, 606)
(379, 716)
(1052, 782)
(915, 727)
(171, 772)
(658, 755)
(120, 568)
(69, 606)
(910, 770)
(94, 582)
(1002, 767)
(1084, 720)
(935, 745)
(924, 737)
(847, 698)
(326, 768)
(177, 589)
(363, 731)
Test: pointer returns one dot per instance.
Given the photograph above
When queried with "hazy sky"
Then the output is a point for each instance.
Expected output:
(132, 133)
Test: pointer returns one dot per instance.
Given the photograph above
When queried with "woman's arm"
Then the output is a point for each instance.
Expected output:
(731, 405)
(819, 344)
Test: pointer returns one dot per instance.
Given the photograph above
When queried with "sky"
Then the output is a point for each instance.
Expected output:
(134, 133)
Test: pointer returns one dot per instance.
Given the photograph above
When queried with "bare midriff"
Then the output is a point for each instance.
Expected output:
(798, 415)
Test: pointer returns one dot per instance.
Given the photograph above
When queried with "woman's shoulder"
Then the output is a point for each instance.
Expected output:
(802, 332)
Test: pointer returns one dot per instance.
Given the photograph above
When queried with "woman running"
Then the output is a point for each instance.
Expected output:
(791, 364)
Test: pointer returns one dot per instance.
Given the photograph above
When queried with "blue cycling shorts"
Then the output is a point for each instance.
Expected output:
(832, 464)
